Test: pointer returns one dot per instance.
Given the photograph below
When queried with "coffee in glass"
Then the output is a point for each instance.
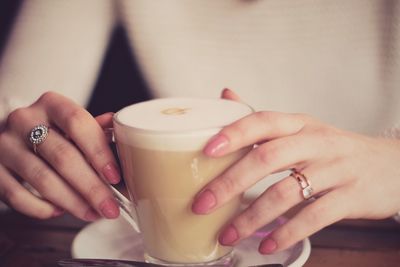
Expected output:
(160, 145)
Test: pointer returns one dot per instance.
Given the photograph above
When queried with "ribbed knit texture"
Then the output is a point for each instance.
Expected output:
(338, 60)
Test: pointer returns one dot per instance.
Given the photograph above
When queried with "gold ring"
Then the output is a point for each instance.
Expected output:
(306, 189)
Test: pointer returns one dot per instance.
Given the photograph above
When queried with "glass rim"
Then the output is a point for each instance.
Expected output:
(198, 131)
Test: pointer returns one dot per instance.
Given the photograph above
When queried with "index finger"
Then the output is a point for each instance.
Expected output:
(252, 129)
(84, 131)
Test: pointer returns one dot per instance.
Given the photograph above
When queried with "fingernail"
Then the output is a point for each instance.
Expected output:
(224, 91)
(91, 215)
(268, 246)
(110, 171)
(229, 236)
(109, 209)
(57, 212)
(216, 145)
(204, 202)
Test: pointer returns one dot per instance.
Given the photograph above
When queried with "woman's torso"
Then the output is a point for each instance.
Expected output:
(337, 60)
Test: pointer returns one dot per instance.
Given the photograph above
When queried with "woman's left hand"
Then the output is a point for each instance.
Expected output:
(352, 175)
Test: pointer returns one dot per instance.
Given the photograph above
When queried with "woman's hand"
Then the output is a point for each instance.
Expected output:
(71, 166)
(353, 176)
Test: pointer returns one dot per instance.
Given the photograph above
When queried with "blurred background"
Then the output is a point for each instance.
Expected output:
(121, 78)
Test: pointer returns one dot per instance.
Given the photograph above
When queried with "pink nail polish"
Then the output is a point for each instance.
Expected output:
(110, 171)
(229, 236)
(91, 215)
(216, 146)
(268, 246)
(57, 212)
(109, 209)
(204, 202)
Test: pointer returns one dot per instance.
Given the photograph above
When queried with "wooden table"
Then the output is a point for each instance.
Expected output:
(26, 242)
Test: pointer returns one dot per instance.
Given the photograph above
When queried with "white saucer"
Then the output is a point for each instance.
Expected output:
(116, 239)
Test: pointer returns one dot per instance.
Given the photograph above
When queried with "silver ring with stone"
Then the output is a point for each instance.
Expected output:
(306, 189)
(38, 135)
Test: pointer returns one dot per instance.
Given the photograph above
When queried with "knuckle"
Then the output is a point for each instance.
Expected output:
(265, 115)
(303, 117)
(99, 153)
(75, 118)
(329, 140)
(243, 229)
(17, 116)
(266, 153)
(325, 132)
(270, 117)
(329, 136)
(234, 130)
(40, 177)
(279, 192)
(315, 215)
(97, 191)
(79, 208)
(13, 196)
(285, 235)
(238, 128)
(249, 221)
(48, 97)
(225, 188)
(253, 215)
(63, 154)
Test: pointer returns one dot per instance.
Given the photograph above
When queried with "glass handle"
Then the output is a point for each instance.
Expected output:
(127, 209)
(126, 206)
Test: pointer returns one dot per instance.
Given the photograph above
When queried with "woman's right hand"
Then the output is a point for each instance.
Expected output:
(71, 167)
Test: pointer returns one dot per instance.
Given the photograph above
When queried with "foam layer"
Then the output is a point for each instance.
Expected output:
(175, 123)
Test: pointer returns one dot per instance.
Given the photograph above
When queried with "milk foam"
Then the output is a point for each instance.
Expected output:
(175, 123)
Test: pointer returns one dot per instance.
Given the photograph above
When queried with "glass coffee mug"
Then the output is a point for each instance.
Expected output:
(160, 143)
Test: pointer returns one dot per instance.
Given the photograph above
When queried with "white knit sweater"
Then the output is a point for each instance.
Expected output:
(338, 60)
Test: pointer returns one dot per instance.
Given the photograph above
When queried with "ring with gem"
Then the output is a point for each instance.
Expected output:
(38, 135)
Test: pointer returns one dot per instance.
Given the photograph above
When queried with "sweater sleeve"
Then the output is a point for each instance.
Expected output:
(54, 46)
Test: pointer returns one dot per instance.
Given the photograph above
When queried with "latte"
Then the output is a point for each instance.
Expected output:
(160, 146)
